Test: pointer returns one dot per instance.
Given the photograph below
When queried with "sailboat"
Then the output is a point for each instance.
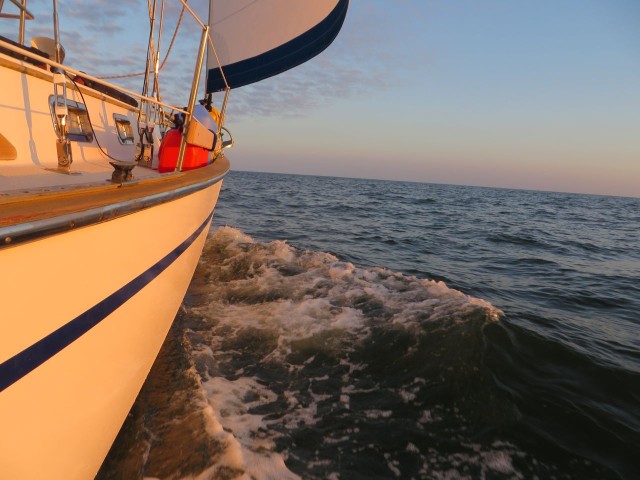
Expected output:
(106, 198)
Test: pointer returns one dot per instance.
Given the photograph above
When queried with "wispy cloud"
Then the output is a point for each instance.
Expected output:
(104, 37)
(310, 86)
(362, 59)
(99, 15)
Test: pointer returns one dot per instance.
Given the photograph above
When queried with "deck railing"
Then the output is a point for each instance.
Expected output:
(23, 16)
(56, 66)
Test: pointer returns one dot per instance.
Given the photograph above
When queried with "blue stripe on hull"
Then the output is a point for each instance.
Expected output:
(32, 357)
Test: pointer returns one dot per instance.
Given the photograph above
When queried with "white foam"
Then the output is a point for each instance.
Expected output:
(373, 414)
(292, 295)
(301, 416)
(412, 448)
(407, 396)
(426, 417)
(334, 441)
(323, 287)
(499, 462)
(354, 389)
(248, 443)
(486, 461)
(393, 465)
(341, 270)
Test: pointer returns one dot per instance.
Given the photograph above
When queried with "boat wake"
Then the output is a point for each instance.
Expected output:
(326, 363)
(305, 366)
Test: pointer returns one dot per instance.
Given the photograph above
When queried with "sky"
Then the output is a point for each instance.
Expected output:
(530, 94)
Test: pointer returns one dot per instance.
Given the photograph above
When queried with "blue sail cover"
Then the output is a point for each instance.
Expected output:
(256, 39)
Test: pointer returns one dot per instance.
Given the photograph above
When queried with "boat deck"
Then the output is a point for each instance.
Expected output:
(17, 180)
(32, 197)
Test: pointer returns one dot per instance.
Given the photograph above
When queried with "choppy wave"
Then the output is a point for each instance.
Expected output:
(311, 362)
(309, 367)
(318, 357)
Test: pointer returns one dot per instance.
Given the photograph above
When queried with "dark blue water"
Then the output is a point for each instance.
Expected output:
(551, 389)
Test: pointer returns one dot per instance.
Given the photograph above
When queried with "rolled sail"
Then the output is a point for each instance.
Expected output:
(256, 39)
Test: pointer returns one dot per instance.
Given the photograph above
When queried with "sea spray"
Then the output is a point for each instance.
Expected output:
(322, 369)
(300, 365)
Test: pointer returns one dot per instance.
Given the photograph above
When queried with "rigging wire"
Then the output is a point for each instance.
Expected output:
(91, 124)
(166, 56)
(156, 58)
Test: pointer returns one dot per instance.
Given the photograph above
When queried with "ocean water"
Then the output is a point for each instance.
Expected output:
(360, 329)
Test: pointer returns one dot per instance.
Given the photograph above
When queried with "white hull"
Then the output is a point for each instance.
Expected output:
(95, 265)
(71, 407)
(93, 273)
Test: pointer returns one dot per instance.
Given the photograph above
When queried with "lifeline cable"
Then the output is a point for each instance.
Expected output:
(91, 124)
